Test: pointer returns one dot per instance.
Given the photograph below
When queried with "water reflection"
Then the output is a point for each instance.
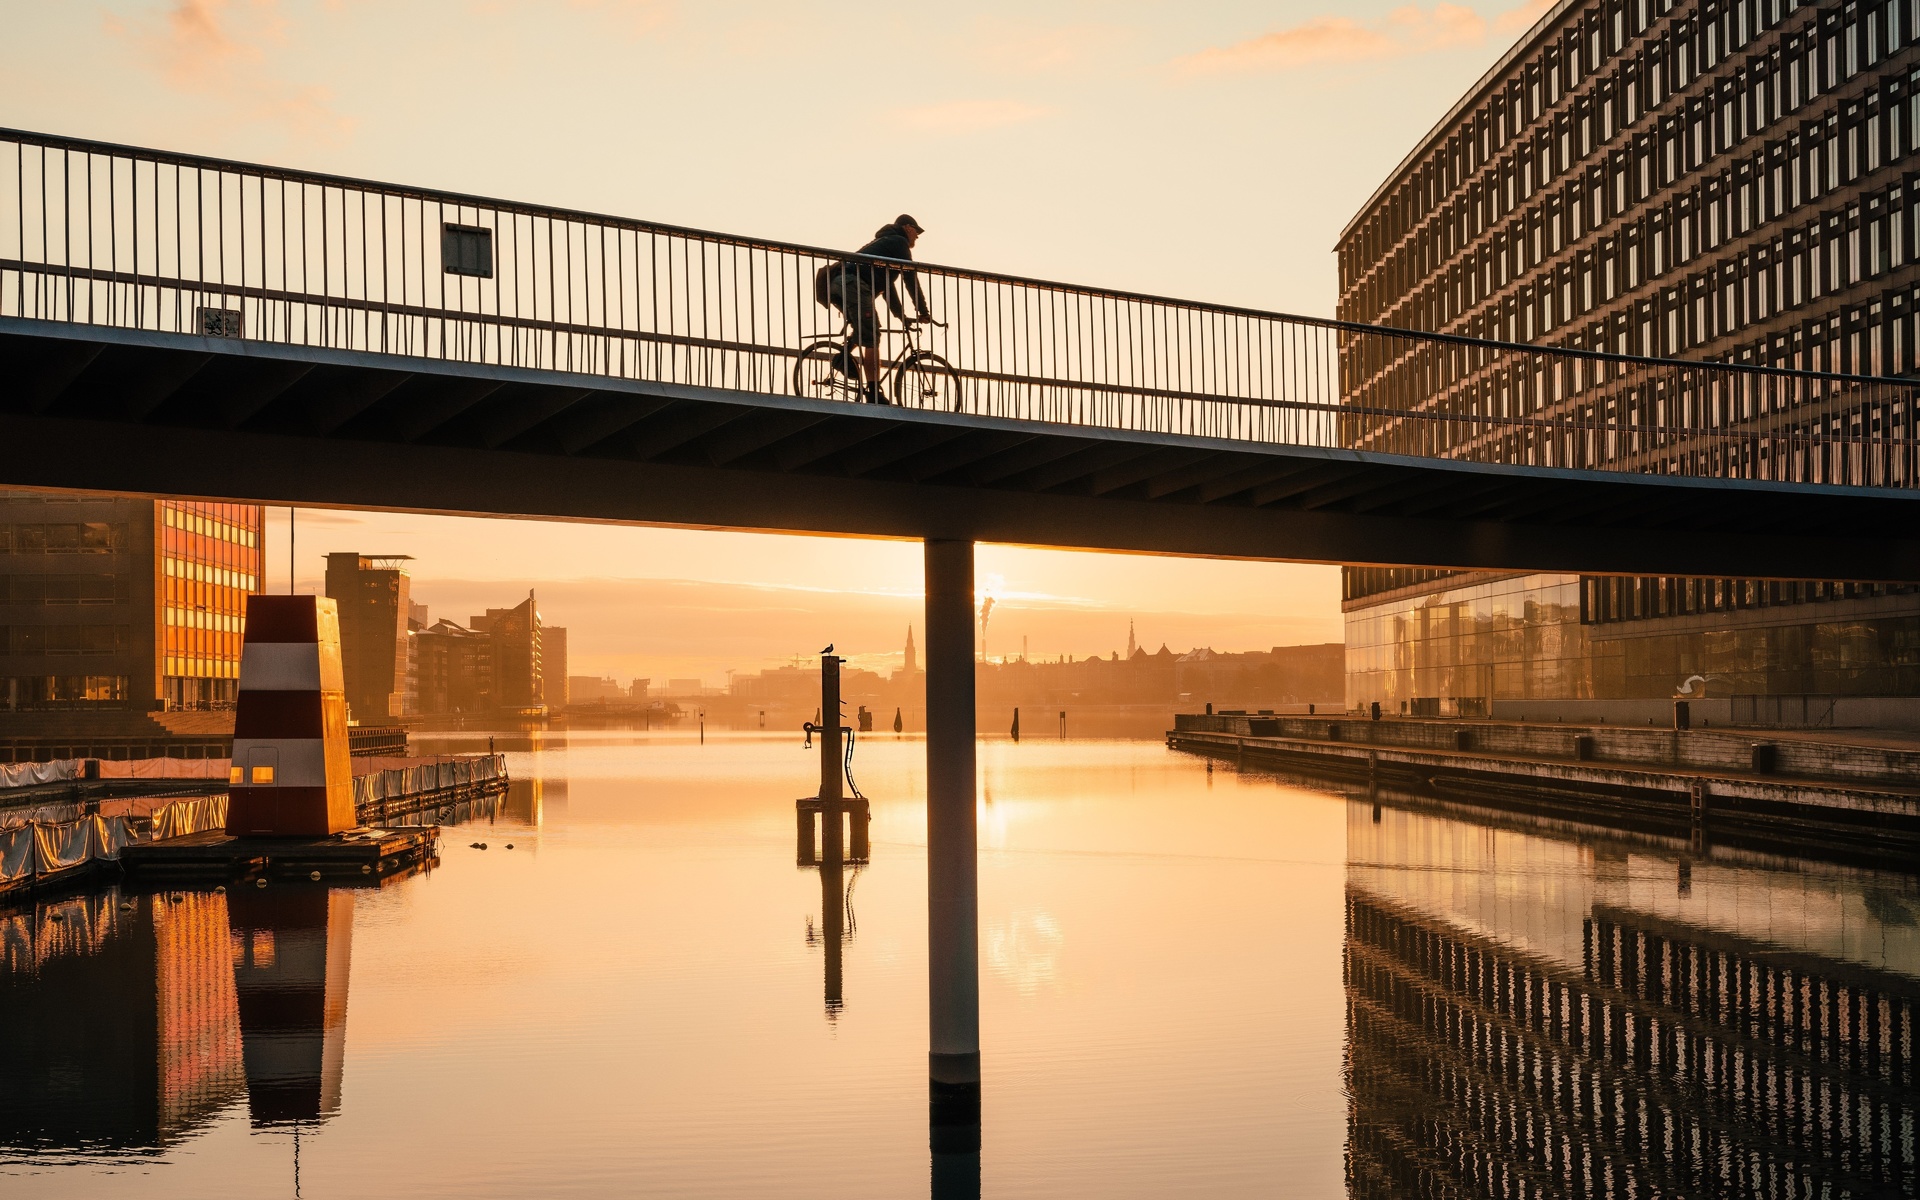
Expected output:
(129, 1020)
(291, 947)
(118, 1022)
(836, 929)
(1535, 1015)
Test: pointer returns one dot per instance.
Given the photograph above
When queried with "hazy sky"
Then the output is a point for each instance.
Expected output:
(1208, 151)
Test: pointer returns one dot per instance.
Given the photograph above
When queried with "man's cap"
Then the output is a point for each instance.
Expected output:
(907, 222)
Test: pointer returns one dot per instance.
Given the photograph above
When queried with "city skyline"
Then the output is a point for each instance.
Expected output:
(730, 621)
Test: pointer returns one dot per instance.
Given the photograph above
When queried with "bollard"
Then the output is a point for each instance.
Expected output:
(805, 854)
(860, 817)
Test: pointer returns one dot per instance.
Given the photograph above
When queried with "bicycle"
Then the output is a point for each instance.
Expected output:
(915, 378)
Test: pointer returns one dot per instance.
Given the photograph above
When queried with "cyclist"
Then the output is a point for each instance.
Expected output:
(852, 288)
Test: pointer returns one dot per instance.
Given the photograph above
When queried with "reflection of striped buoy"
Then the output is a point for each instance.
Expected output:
(290, 775)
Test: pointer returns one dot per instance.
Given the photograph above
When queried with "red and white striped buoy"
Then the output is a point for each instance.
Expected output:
(290, 775)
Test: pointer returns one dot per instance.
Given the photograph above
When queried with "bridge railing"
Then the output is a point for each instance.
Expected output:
(150, 240)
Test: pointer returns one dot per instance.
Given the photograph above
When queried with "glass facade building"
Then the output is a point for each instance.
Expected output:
(115, 603)
(1709, 179)
(1455, 651)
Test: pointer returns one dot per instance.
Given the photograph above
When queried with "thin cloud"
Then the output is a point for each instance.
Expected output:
(1522, 18)
(1024, 48)
(1332, 40)
(967, 116)
(217, 49)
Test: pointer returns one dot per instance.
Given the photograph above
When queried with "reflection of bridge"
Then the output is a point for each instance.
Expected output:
(185, 325)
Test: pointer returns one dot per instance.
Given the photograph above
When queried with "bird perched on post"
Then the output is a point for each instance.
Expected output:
(829, 649)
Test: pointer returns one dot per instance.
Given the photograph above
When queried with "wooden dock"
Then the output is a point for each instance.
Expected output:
(355, 854)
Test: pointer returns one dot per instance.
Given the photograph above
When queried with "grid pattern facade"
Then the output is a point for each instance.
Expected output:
(211, 559)
(1722, 179)
(109, 602)
(1717, 179)
(1668, 1065)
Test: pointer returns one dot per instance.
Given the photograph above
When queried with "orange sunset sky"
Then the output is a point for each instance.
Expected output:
(1204, 150)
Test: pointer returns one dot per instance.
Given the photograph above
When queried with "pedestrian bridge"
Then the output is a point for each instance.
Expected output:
(188, 326)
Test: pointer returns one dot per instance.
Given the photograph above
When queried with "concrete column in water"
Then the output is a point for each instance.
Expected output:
(953, 941)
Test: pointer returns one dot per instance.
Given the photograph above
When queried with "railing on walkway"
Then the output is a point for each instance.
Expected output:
(143, 239)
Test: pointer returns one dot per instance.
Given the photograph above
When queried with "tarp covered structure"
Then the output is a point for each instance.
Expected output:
(34, 849)
(26, 774)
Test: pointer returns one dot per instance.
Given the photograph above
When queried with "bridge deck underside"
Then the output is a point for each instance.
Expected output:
(87, 407)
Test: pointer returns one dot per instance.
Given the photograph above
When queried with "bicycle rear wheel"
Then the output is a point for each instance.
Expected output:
(925, 380)
(815, 378)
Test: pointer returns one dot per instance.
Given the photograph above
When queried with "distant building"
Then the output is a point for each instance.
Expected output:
(375, 601)
(453, 670)
(515, 633)
(593, 689)
(913, 660)
(109, 603)
(555, 683)
(638, 689)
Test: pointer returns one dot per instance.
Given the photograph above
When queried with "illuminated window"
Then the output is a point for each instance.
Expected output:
(263, 774)
(236, 775)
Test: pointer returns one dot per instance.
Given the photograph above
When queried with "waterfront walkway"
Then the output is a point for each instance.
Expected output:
(1775, 790)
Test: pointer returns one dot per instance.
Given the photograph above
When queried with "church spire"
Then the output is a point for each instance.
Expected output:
(912, 664)
(1131, 647)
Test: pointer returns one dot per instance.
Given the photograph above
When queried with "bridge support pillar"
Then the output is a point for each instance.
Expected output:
(953, 938)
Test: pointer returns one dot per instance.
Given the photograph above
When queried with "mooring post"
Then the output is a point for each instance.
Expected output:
(832, 844)
(953, 949)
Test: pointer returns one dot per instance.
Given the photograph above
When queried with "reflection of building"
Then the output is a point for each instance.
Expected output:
(290, 951)
(375, 599)
(121, 604)
(526, 799)
(1531, 1016)
(116, 1028)
(1684, 180)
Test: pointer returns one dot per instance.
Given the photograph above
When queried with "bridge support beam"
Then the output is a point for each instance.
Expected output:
(953, 938)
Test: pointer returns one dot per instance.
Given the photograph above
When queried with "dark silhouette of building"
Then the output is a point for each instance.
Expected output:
(1729, 180)
(375, 598)
(118, 604)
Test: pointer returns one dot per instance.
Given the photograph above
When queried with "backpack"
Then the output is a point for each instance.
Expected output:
(822, 280)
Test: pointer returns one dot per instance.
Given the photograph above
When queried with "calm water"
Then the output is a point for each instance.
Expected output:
(1194, 982)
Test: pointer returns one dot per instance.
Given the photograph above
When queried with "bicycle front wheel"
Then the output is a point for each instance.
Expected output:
(814, 376)
(925, 380)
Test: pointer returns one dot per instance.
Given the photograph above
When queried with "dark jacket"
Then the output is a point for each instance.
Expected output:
(889, 242)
